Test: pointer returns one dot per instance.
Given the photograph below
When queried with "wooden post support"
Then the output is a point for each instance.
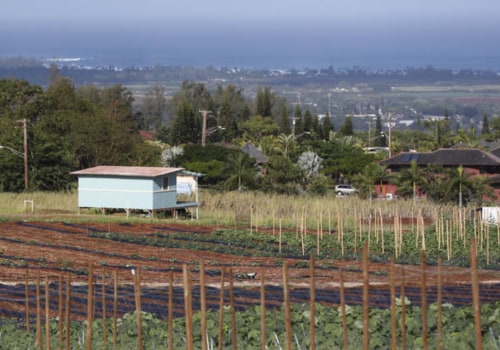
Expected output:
(38, 316)
(366, 300)
(312, 306)
(286, 298)
(170, 310)
(423, 293)
(27, 302)
(47, 314)
(263, 310)
(203, 305)
(475, 295)
(90, 307)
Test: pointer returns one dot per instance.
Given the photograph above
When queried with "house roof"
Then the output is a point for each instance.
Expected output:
(127, 171)
(254, 153)
(467, 157)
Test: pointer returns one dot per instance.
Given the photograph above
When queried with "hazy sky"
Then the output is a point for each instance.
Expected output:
(298, 32)
(319, 10)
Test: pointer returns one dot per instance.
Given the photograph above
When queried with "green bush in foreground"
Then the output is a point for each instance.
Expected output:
(458, 329)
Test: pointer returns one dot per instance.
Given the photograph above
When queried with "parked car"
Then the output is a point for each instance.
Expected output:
(344, 190)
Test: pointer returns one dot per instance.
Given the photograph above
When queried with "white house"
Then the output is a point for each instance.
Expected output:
(131, 188)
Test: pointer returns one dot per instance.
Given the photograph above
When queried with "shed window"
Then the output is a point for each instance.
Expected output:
(165, 183)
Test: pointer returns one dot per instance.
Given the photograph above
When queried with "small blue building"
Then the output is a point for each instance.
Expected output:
(131, 188)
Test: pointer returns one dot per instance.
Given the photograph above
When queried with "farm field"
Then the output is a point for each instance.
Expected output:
(55, 251)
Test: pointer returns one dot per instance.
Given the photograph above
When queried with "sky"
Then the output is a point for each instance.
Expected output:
(317, 10)
(292, 30)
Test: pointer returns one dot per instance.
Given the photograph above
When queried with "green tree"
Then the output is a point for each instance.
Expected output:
(242, 172)
(255, 128)
(409, 180)
(379, 139)
(486, 126)
(154, 107)
(264, 102)
(298, 124)
(187, 122)
(285, 121)
(282, 176)
(308, 120)
(326, 128)
(346, 129)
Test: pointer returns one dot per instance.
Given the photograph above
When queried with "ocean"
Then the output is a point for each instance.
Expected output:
(275, 46)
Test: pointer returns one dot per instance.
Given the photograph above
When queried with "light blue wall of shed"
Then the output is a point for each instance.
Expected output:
(126, 192)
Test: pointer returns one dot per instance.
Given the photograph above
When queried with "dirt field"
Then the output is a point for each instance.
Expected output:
(56, 250)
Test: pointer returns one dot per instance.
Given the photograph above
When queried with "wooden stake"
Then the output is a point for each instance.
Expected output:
(60, 306)
(138, 307)
(393, 306)
(203, 305)
(233, 311)
(312, 304)
(366, 300)
(403, 309)
(104, 325)
(342, 310)
(68, 311)
(423, 293)
(90, 307)
(115, 308)
(170, 310)
(221, 309)
(38, 315)
(27, 300)
(263, 310)
(440, 304)
(475, 295)
(187, 307)
(47, 314)
(286, 298)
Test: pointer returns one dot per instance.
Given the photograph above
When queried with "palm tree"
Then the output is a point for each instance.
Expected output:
(241, 169)
(408, 180)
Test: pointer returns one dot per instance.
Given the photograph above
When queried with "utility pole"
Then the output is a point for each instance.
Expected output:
(204, 114)
(25, 132)
(390, 127)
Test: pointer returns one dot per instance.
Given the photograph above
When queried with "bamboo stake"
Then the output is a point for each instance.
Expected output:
(115, 308)
(251, 219)
(68, 310)
(60, 306)
(440, 304)
(27, 302)
(423, 293)
(475, 295)
(317, 240)
(203, 305)
(342, 310)
(187, 307)
(312, 305)
(233, 311)
(393, 306)
(47, 314)
(286, 297)
(170, 321)
(330, 224)
(279, 246)
(263, 310)
(90, 307)
(138, 307)
(38, 316)
(221, 309)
